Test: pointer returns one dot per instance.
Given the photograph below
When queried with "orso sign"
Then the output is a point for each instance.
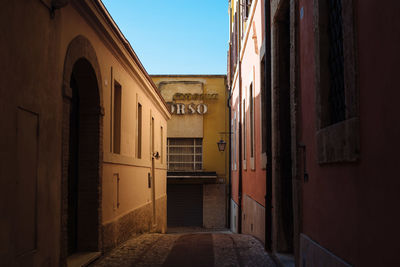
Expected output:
(192, 108)
(182, 109)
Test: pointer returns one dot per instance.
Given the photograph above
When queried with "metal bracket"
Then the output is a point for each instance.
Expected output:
(305, 173)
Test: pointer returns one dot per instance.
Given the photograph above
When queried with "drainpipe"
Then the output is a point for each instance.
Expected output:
(267, 71)
(230, 157)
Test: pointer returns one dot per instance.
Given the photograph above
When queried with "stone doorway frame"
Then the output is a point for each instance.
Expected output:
(79, 48)
(280, 29)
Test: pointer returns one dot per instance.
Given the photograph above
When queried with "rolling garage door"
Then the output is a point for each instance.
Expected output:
(185, 205)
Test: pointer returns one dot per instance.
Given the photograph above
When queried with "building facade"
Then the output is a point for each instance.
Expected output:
(198, 173)
(329, 126)
(248, 151)
(343, 68)
(83, 163)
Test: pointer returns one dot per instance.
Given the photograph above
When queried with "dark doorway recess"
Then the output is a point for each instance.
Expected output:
(185, 205)
(83, 160)
(284, 162)
(266, 95)
(73, 167)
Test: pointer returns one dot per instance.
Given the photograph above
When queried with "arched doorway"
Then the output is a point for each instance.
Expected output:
(83, 160)
(81, 150)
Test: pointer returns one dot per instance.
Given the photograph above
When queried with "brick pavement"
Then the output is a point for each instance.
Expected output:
(188, 249)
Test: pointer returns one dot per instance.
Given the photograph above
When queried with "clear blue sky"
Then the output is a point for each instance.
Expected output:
(175, 36)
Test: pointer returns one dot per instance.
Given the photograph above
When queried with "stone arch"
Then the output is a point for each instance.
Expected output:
(81, 64)
(80, 47)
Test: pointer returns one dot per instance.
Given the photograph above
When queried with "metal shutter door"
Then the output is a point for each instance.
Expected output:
(185, 205)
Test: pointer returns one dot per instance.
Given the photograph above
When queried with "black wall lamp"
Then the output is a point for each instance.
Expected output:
(221, 145)
(156, 155)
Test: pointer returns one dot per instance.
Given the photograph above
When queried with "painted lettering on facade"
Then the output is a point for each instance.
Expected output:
(188, 109)
(192, 108)
(180, 96)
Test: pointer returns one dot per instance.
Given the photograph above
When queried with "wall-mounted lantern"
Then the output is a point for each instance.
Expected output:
(156, 155)
(221, 145)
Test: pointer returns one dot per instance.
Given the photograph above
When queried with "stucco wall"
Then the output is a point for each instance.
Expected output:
(30, 83)
(348, 207)
(35, 47)
(253, 176)
(212, 123)
(253, 173)
(253, 221)
(188, 124)
(214, 205)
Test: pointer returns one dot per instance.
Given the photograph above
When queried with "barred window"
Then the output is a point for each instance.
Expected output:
(337, 106)
(185, 154)
(336, 87)
(246, 8)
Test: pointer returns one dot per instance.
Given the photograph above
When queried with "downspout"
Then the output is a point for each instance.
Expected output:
(229, 105)
(230, 157)
(267, 71)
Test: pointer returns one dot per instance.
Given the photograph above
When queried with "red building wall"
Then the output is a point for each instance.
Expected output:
(379, 180)
(254, 180)
(351, 209)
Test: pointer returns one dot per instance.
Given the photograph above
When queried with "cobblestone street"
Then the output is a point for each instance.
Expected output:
(188, 249)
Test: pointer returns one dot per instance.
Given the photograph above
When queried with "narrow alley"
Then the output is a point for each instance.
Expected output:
(188, 249)
(199, 133)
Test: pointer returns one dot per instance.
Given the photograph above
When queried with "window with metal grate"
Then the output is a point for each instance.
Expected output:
(336, 86)
(337, 102)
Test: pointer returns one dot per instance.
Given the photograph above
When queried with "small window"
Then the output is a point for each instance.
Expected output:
(117, 119)
(244, 131)
(336, 99)
(162, 145)
(152, 135)
(139, 131)
(335, 70)
(233, 141)
(246, 8)
(251, 120)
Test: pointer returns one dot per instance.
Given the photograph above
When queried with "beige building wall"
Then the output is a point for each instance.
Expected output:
(211, 126)
(190, 125)
(37, 47)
